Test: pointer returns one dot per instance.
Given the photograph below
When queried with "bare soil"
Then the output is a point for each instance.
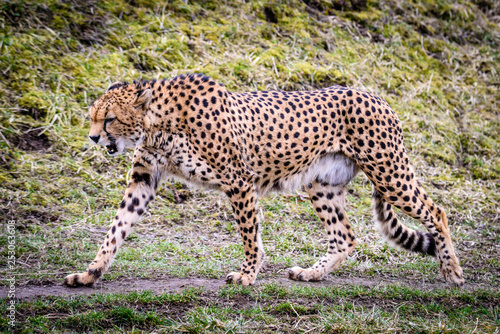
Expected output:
(32, 140)
(37, 289)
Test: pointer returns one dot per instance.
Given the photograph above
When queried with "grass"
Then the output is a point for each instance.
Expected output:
(437, 64)
(269, 308)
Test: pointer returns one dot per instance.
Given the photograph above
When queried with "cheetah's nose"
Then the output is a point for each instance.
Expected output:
(95, 138)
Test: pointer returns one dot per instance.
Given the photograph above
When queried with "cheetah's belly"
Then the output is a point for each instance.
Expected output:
(332, 168)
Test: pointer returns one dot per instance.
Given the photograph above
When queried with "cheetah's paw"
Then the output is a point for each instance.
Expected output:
(454, 276)
(239, 278)
(306, 275)
(76, 280)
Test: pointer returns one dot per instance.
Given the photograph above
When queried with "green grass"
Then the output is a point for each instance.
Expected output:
(269, 308)
(437, 64)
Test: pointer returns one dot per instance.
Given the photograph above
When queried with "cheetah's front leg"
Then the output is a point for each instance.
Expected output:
(244, 199)
(139, 193)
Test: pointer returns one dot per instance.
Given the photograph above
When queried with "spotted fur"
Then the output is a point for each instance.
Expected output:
(247, 144)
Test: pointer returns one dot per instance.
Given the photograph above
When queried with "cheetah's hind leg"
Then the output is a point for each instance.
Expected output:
(329, 203)
(412, 199)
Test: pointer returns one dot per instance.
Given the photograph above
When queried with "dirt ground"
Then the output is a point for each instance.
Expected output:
(34, 290)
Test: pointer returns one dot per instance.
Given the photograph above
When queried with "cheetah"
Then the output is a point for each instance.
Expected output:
(248, 144)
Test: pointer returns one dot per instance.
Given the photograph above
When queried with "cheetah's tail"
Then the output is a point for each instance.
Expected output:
(398, 234)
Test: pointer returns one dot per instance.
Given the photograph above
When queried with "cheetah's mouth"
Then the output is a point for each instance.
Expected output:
(112, 149)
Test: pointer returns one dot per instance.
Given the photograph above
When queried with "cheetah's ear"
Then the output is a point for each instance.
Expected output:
(114, 85)
(143, 99)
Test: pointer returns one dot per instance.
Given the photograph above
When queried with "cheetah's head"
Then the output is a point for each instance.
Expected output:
(117, 116)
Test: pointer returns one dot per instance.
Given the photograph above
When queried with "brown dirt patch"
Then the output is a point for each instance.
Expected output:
(26, 217)
(83, 20)
(43, 288)
(37, 289)
(32, 140)
(34, 113)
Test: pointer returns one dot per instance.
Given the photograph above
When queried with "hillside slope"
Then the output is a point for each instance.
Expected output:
(435, 61)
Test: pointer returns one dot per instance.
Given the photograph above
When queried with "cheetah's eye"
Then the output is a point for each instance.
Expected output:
(109, 120)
